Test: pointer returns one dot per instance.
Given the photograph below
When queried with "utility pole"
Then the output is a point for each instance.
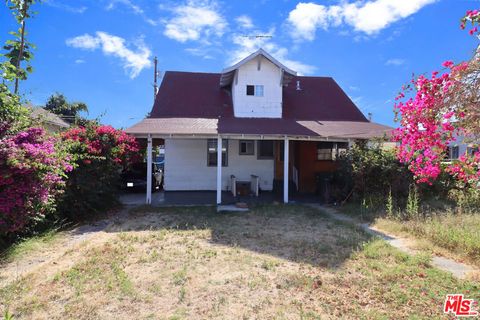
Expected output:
(155, 86)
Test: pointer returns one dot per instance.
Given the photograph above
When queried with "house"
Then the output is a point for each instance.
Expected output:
(50, 121)
(257, 123)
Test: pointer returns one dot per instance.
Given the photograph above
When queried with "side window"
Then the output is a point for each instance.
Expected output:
(331, 150)
(452, 153)
(250, 90)
(246, 147)
(265, 149)
(212, 153)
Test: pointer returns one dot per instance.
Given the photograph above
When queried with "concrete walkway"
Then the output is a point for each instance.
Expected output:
(457, 269)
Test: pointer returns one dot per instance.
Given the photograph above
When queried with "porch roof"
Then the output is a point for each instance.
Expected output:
(258, 126)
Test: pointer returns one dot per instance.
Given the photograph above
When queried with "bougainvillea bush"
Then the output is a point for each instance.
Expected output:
(100, 153)
(32, 175)
(434, 111)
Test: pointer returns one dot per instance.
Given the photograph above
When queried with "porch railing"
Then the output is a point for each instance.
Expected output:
(254, 185)
(233, 185)
(295, 177)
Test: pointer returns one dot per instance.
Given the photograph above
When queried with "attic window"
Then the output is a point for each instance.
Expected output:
(256, 91)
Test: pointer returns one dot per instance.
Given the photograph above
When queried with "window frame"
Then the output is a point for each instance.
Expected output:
(336, 149)
(259, 150)
(246, 153)
(453, 150)
(252, 93)
(214, 153)
(257, 86)
(252, 90)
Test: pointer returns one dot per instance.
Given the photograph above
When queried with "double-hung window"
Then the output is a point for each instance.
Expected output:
(212, 153)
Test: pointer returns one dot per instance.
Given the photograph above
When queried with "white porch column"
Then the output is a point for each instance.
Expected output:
(219, 169)
(149, 170)
(285, 170)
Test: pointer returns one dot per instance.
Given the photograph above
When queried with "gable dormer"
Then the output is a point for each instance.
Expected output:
(257, 84)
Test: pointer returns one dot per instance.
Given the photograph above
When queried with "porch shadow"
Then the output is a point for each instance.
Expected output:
(291, 232)
(210, 197)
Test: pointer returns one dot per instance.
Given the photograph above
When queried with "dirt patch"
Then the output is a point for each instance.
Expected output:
(276, 262)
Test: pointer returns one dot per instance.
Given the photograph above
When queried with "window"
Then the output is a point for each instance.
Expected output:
(265, 149)
(256, 91)
(472, 150)
(452, 153)
(325, 151)
(331, 150)
(246, 147)
(212, 153)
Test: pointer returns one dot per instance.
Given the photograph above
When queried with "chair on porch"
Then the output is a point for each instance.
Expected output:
(254, 185)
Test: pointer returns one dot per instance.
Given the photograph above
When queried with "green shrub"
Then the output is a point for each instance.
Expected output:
(368, 171)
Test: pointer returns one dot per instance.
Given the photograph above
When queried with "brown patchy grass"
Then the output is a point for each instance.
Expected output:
(276, 262)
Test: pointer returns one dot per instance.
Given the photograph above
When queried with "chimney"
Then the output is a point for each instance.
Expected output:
(370, 115)
(298, 86)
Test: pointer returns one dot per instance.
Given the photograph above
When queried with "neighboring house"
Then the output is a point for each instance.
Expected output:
(460, 147)
(51, 121)
(273, 126)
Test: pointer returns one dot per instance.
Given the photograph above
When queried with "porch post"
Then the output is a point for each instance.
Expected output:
(149, 170)
(219, 169)
(285, 170)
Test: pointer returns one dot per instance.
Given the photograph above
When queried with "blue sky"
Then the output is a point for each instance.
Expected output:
(100, 51)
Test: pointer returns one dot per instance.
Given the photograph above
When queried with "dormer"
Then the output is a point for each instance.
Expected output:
(256, 85)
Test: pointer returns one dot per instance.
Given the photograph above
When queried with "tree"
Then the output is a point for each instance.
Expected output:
(434, 110)
(70, 112)
(19, 49)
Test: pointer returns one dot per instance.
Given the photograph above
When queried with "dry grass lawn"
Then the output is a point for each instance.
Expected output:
(275, 262)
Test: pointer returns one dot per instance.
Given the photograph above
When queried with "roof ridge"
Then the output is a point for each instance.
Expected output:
(192, 72)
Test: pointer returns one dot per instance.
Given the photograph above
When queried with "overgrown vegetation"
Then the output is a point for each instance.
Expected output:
(281, 262)
(458, 234)
(46, 178)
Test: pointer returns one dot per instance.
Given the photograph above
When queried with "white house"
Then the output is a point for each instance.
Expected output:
(276, 130)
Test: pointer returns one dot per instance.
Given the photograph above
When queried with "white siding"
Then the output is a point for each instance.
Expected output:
(186, 166)
(269, 75)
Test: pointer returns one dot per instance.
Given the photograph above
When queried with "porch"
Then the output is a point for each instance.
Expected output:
(205, 198)
(251, 169)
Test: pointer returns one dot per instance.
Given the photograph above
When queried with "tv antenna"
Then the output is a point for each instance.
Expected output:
(257, 36)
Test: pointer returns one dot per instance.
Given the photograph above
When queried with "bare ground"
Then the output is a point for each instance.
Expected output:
(276, 262)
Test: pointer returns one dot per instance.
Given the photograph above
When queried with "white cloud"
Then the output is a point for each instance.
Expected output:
(368, 17)
(66, 7)
(195, 21)
(85, 41)
(395, 62)
(133, 61)
(134, 8)
(244, 22)
(307, 17)
(79, 61)
(128, 3)
(247, 45)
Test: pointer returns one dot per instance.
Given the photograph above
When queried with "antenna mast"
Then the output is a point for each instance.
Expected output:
(155, 86)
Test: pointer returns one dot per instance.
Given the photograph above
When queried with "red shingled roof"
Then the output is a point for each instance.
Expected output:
(194, 103)
(198, 95)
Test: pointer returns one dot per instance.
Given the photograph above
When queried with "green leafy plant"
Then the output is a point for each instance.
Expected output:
(390, 205)
(413, 203)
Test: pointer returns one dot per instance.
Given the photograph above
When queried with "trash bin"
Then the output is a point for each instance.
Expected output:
(322, 182)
